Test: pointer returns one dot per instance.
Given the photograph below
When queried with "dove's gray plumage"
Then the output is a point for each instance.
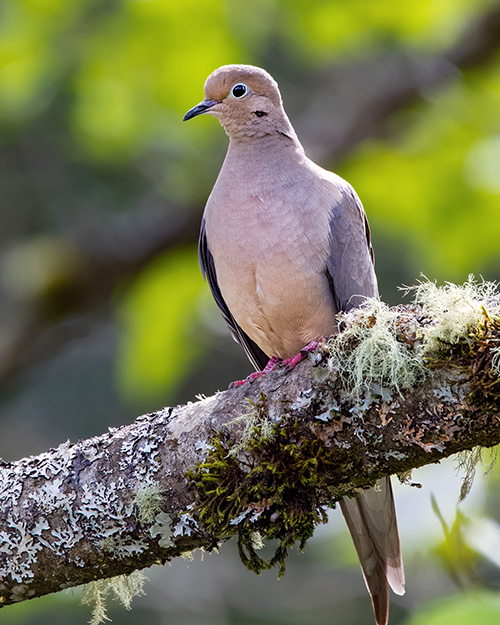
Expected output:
(285, 246)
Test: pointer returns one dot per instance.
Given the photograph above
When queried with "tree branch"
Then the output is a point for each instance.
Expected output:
(121, 501)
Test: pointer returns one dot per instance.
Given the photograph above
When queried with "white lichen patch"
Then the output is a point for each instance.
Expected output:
(303, 401)
(455, 310)
(146, 454)
(185, 525)
(51, 496)
(74, 500)
(202, 445)
(70, 520)
(249, 514)
(99, 498)
(163, 529)
(22, 548)
(65, 536)
(26, 530)
(48, 464)
(11, 488)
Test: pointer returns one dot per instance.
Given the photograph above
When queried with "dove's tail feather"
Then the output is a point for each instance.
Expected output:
(371, 519)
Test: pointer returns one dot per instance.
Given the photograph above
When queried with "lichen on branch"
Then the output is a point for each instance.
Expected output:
(120, 502)
(275, 480)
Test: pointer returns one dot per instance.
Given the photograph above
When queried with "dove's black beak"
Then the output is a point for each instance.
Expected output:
(200, 108)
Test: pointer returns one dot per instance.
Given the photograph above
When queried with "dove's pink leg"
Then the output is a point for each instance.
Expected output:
(274, 362)
(271, 366)
(292, 362)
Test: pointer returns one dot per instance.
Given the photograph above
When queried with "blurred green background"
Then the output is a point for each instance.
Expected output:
(104, 314)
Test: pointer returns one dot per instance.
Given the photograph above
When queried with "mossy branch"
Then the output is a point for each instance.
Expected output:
(397, 389)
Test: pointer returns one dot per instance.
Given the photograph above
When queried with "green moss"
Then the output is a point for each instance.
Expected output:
(274, 486)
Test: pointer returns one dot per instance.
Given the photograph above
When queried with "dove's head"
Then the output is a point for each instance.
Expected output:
(247, 102)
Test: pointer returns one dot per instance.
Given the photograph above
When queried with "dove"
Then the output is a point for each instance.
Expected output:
(285, 246)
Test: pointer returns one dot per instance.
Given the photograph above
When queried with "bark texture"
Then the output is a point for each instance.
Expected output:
(121, 501)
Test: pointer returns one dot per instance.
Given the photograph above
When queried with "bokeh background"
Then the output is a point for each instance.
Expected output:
(104, 314)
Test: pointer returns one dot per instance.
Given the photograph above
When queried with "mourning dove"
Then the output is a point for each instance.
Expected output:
(285, 246)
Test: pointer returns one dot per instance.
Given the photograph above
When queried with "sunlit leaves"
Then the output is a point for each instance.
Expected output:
(31, 52)
(322, 26)
(145, 59)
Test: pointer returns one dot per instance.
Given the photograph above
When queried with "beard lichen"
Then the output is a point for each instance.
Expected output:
(371, 350)
(377, 345)
(254, 417)
(273, 489)
(455, 310)
(467, 462)
(123, 588)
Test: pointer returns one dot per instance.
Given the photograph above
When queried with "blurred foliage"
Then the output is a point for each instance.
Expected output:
(481, 608)
(438, 184)
(92, 148)
(159, 318)
(458, 558)
(321, 27)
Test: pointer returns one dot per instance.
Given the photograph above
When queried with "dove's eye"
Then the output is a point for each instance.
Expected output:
(239, 90)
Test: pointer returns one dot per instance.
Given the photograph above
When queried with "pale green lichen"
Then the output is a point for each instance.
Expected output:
(123, 588)
(257, 540)
(252, 419)
(148, 500)
(107, 544)
(163, 529)
(95, 595)
(368, 352)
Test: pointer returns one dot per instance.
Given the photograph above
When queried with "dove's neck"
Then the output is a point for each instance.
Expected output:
(269, 150)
